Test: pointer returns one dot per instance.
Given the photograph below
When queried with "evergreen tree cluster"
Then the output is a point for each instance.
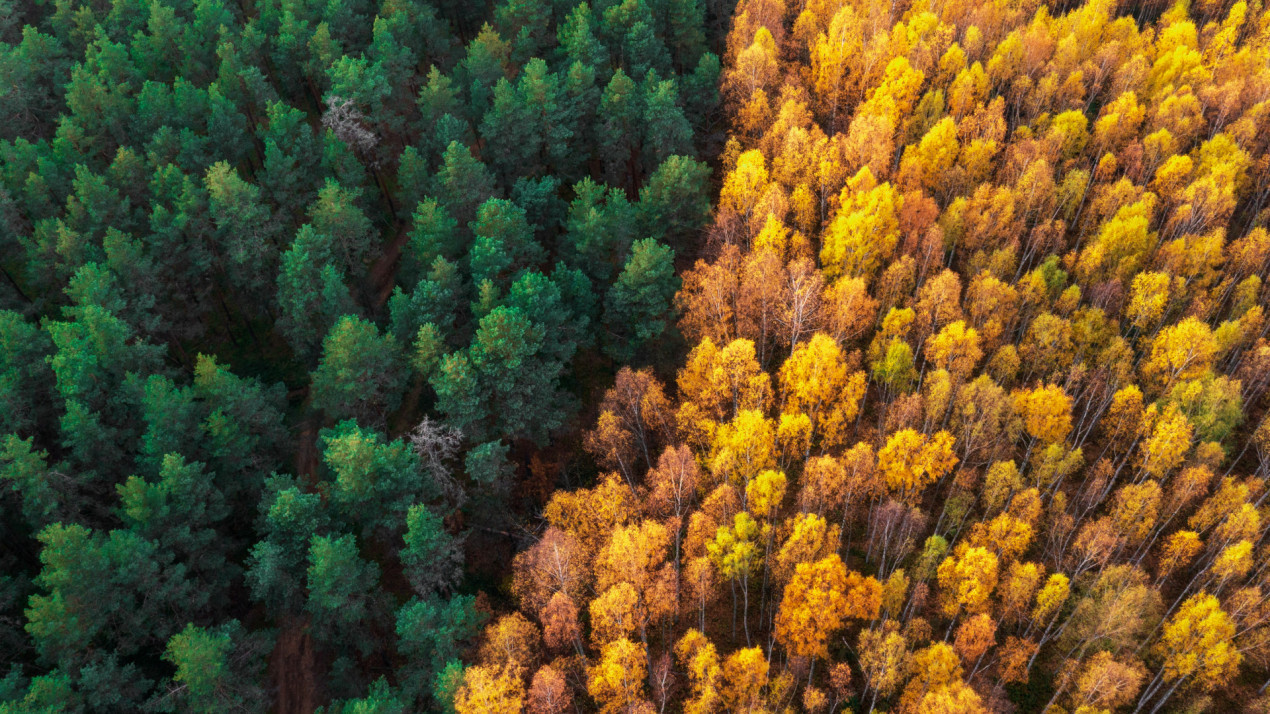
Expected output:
(290, 288)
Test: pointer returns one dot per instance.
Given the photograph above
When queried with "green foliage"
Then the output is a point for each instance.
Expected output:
(375, 483)
(112, 591)
(381, 699)
(524, 127)
(504, 242)
(245, 234)
(433, 633)
(198, 244)
(25, 377)
(361, 374)
(1213, 405)
(446, 685)
(434, 235)
(640, 307)
(432, 559)
(599, 230)
(675, 203)
(488, 466)
(462, 183)
(312, 292)
(341, 588)
(275, 566)
(336, 214)
(435, 300)
(43, 493)
(179, 512)
(215, 670)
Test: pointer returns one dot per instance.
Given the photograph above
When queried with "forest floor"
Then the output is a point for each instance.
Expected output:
(293, 671)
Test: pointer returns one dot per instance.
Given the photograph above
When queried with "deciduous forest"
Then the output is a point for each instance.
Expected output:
(634, 356)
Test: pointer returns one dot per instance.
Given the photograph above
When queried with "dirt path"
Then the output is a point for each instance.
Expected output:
(293, 670)
(383, 273)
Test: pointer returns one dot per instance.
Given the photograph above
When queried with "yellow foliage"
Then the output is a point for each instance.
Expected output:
(862, 236)
(956, 349)
(1197, 643)
(817, 600)
(1182, 351)
(1046, 411)
(616, 682)
(490, 690)
(967, 579)
(910, 461)
(816, 380)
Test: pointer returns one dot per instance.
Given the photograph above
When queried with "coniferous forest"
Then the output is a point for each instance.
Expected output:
(634, 356)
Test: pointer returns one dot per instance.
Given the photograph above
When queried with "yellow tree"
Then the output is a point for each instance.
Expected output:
(700, 582)
(835, 55)
(992, 307)
(1177, 552)
(1197, 647)
(616, 682)
(612, 445)
(925, 165)
(511, 642)
(884, 660)
(862, 236)
(911, 461)
(764, 494)
(810, 539)
(816, 381)
(490, 690)
(591, 514)
(615, 614)
(735, 553)
(1123, 421)
(1006, 535)
(745, 185)
(708, 298)
(1182, 351)
(1148, 298)
(966, 580)
(818, 599)
(1046, 412)
(1017, 589)
(956, 697)
(700, 660)
(936, 684)
(1108, 683)
(849, 309)
(1134, 510)
(938, 304)
(637, 555)
(801, 308)
(759, 296)
(744, 679)
(743, 447)
(1168, 436)
(956, 349)
(718, 383)
(756, 68)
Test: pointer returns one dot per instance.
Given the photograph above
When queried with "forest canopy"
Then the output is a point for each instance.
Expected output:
(634, 356)
(293, 294)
